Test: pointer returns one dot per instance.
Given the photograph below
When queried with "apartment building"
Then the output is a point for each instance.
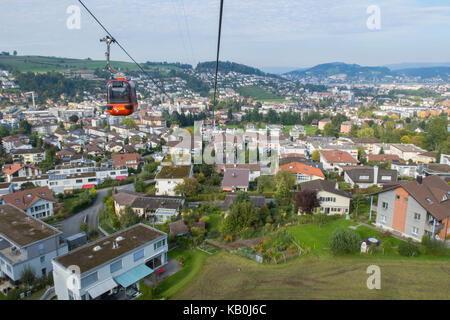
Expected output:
(171, 176)
(28, 156)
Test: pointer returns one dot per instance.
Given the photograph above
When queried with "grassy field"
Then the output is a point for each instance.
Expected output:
(193, 264)
(45, 64)
(226, 276)
(257, 93)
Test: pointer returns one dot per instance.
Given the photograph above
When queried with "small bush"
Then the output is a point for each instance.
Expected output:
(408, 249)
(344, 241)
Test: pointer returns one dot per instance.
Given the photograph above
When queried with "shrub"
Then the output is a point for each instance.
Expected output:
(408, 249)
(433, 246)
(344, 241)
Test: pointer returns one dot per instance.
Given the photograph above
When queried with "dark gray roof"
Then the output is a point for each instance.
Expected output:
(236, 178)
(324, 185)
(258, 200)
(147, 201)
(356, 173)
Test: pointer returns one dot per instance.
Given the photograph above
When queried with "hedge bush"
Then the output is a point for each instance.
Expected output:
(434, 247)
(408, 249)
(344, 241)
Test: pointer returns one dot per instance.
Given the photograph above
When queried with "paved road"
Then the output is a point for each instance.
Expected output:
(71, 225)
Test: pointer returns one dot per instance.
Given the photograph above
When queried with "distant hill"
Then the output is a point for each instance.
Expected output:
(227, 66)
(416, 65)
(427, 73)
(355, 72)
(338, 68)
(48, 64)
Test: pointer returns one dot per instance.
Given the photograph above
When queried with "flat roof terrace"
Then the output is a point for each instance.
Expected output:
(87, 259)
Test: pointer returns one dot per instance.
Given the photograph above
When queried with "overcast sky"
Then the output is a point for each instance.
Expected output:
(260, 33)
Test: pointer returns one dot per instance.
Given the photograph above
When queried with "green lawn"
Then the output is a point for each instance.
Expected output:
(193, 264)
(227, 276)
(257, 93)
(311, 130)
(316, 237)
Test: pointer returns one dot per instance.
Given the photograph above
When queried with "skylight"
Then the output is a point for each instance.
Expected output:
(428, 200)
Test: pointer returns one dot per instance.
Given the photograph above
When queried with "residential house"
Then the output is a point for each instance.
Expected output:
(37, 202)
(322, 123)
(332, 200)
(27, 242)
(259, 200)
(255, 169)
(302, 171)
(415, 208)
(155, 208)
(119, 261)
(365, 176)
(333, 160)
(236, 180)
(129, 160)
(171, 176)
(16, 170)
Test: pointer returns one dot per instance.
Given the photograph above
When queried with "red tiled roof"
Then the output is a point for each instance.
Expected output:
(10, 169)
(296, 167)
(25, 199)
(338, 156)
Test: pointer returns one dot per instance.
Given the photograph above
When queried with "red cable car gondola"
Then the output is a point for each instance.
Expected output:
(121, 95)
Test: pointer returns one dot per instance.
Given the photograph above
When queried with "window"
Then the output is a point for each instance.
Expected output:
(417, 216)
(383, 219)
(363, 177)
(41, 249)
(79, 181)
(398, 197)
(115, 266)
(42, 259)
(385, 205)
(88, 280)
(415, 231)
(159, 244)
(138, 255)
(386, 178)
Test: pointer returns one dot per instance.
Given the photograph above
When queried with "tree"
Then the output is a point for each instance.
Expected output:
(366, 133)
(139, 185)
(286, 176)
(129, 217)
(129, 122)
(331, 130)
(25, 127)
(265, 183)
(315, 156)
(437, 133)
(306, 201)
(27, 276)
(242, 215)
(283, 192)
(188, 188)
(74, 118)
(27, 185)
(15, 52)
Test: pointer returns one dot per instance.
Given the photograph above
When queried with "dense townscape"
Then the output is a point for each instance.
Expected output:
(297, 170)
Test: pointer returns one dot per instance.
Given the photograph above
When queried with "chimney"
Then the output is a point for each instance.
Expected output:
(375, 175)
(419, 179)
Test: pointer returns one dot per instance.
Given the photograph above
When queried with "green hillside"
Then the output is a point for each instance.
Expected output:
(46, 64)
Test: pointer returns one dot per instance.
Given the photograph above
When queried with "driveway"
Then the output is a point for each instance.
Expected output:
(71, 225)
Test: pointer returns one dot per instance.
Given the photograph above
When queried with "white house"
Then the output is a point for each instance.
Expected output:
(111, 265)
(332, 200)
(171, 176)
